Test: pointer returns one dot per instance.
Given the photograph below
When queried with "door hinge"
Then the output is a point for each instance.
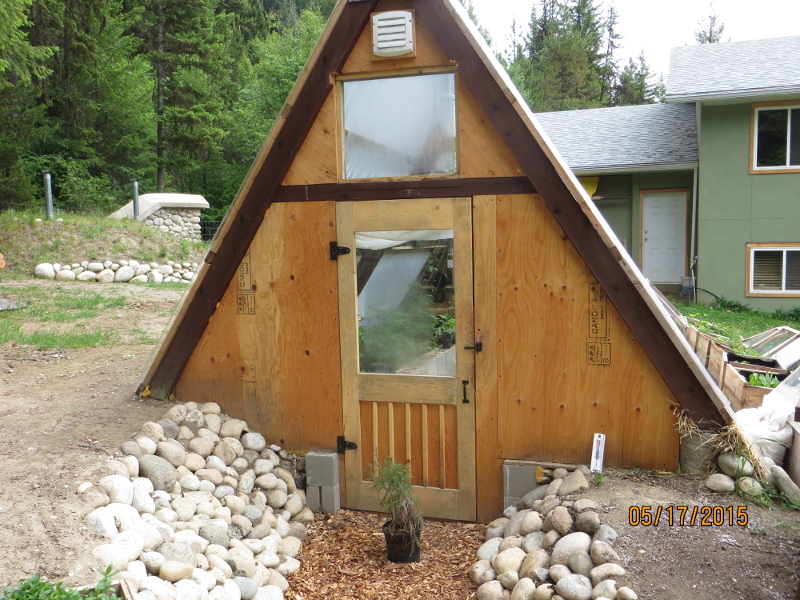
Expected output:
(337, 250)
(342, 444)
(478, 347)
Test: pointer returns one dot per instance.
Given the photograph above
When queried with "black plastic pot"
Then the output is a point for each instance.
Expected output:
(402, 547)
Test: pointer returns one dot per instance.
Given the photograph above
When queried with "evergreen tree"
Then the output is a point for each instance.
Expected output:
(285, 13)
(567, 59)
(22, 124)
(711, 28)
(543, 28)
(636, 84)
(97, 98)
(186, 46)
(609, 67)
(19, 59)
(247, 20)
(559, 67)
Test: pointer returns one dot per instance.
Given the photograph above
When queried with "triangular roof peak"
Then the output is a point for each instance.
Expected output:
(514, 123)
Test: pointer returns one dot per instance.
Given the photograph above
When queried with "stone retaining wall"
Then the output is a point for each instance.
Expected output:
(184, 222)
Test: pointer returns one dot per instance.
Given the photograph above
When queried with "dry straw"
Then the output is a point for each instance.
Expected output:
(730, 439)
(727, 439)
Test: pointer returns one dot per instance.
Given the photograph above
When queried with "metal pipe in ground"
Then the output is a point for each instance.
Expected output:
(48, 193)
(135, 183)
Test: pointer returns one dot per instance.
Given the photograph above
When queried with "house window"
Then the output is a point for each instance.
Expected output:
(776, 144)
(400, 126)
(774, 269)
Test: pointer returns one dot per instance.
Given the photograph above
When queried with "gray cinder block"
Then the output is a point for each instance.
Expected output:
(518, 480)
(330, 498)
(313, 497)
(322, 468)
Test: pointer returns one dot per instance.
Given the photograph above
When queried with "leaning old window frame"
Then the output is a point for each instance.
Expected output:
(754, 109)
(340, 80)
(752, 248)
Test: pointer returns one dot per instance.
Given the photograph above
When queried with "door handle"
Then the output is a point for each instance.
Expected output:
(465, 383)
(478, 347)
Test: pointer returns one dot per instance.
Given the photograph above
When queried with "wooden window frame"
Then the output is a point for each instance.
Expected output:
(410, 72)
(751, 248)
(754, 108)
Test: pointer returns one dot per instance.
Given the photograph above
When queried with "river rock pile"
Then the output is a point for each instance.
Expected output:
(198, 508)
(122, 271)
(549, 547)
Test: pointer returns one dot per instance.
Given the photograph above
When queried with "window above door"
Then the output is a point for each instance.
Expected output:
(775, 137)
(399, 127)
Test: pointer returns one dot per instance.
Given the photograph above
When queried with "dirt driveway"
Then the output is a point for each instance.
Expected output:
(63, 413)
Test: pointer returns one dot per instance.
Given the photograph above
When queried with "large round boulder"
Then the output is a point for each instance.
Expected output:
(159, 471)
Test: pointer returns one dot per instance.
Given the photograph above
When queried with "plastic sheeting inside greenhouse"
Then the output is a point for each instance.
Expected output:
(400, 126)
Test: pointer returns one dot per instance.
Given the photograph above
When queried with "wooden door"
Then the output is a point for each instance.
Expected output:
(405, 393)
(664, 236)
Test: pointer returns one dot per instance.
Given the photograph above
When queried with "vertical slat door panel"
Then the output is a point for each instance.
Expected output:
(418, 420)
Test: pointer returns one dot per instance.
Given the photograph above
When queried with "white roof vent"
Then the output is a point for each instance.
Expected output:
(393, 33)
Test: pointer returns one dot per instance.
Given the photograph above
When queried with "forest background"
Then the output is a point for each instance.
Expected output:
(181, 94)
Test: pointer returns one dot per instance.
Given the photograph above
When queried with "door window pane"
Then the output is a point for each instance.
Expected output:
(406, 307)
(400, 126)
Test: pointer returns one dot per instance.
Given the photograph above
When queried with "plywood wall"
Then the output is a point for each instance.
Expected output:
(481, 151)
(270, 353)
(567, 366)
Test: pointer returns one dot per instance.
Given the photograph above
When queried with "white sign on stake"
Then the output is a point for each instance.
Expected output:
(598, 449)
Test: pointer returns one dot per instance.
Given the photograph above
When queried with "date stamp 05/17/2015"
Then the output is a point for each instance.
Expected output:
(705, 516)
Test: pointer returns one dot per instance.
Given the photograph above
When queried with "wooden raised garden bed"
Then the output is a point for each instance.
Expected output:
(736, 375)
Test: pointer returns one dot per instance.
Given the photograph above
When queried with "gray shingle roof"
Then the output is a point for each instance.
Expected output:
(734, 69)
(624, 137)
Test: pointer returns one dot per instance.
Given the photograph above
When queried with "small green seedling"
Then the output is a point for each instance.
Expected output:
(767, 380)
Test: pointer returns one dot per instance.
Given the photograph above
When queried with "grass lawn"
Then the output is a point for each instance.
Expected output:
(66, 316)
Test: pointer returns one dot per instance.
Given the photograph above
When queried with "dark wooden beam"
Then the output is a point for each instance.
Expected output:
(245, 222)
(398, 190)
(514, 131)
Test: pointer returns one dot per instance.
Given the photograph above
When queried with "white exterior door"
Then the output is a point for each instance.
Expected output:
(663, 235)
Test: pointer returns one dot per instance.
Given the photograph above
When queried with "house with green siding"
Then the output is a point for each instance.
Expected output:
(708, 184)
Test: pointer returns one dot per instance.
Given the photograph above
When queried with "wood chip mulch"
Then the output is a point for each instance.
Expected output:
(344, 558)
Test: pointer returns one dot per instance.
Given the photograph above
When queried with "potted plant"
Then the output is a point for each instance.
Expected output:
(392, 483)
